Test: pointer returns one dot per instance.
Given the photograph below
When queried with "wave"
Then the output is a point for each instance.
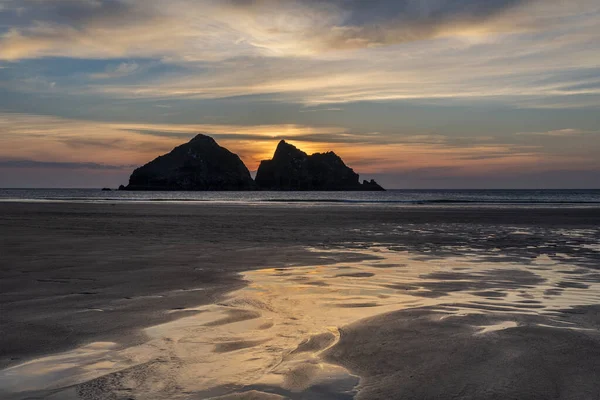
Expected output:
(310, 201)
(437, 201)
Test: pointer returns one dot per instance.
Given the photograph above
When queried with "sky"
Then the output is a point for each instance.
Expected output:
(413, 93)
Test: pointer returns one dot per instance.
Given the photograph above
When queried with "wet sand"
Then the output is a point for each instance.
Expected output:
(205, 301)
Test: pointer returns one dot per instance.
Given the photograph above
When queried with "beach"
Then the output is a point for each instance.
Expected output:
(303, 301)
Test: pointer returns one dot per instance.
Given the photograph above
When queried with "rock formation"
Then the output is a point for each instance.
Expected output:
(200, 164)
(292, 169)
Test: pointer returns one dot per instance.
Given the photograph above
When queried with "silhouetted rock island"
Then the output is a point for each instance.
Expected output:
(292, 169)
(201, 164)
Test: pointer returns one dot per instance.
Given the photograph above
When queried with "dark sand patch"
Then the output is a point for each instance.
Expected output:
(573, 285)
(518, 305)
(526, 295)
(387, 265)
(398, 354)
(553, 292)
(403, 286)
(356, 275)
(266, 325)
(235, 315)
(357, 305)
(300, 278)
(444, 283)
(490, 293)
(238, 345)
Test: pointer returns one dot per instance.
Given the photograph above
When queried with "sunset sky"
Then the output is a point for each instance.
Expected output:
(413, 93)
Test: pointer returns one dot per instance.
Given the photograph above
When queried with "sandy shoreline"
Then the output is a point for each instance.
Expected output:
(81, 273)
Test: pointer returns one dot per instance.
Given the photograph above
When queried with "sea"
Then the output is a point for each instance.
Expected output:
(390, 198)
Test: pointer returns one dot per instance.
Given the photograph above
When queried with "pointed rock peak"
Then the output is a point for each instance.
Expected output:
(203, 138)
(284, 149)
(285, 145)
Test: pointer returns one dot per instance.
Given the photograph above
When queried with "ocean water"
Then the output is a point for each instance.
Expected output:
(579, 198)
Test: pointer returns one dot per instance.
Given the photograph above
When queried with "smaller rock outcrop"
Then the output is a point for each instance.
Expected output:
(292, 169)
(372, 186)
(200, 164)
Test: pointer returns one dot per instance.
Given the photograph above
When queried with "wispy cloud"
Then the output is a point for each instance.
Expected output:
(60, 165)
(147, 28)
(559, 133)
(518, 52)
(308, 110)
(118, 71)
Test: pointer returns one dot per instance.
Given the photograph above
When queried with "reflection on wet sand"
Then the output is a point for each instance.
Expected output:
(274, 337)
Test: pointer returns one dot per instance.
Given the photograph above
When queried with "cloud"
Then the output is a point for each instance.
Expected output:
(525, 53)
(284, 132)
(321, 109)
(60, 165)
(387, 22)
(306, 134)
(210, 29)
(559, 133)
(117, 71)
(112, 29)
